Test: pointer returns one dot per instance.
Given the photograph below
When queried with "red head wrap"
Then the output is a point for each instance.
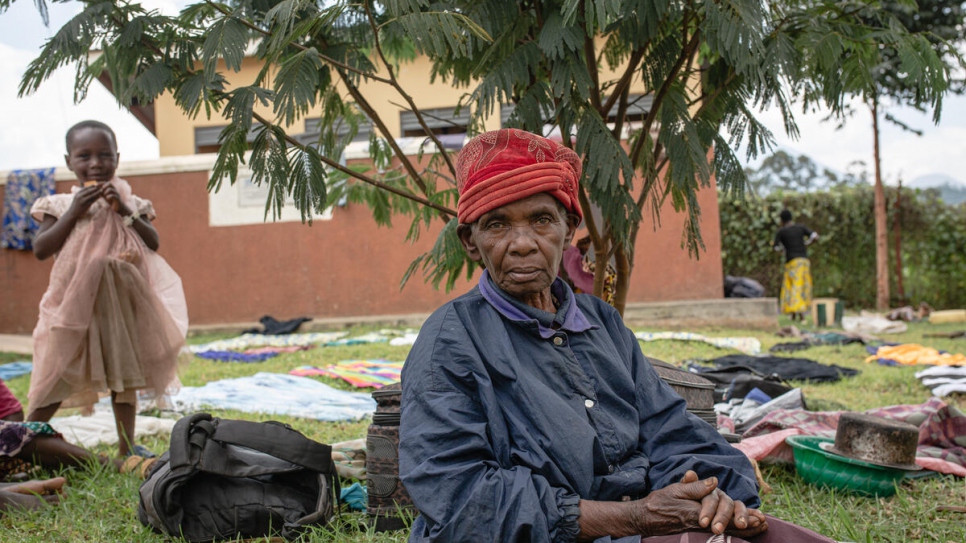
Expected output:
(500, 167)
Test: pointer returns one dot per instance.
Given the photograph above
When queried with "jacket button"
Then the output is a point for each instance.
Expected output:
(588, 403)
(558, 341)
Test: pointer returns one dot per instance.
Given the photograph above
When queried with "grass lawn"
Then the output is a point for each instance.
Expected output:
(101, 506)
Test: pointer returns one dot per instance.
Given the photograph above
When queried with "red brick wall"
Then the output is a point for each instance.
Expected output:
(344, 267)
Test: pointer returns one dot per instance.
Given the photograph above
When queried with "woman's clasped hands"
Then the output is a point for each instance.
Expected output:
(697, 505)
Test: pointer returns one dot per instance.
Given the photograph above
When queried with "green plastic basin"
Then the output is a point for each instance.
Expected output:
(825, 469)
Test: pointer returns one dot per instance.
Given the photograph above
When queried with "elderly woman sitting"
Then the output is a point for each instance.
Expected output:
(530, 414)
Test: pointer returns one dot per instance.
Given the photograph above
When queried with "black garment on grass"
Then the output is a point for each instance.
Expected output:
(789, 369)
(816, 340)
(276, 328)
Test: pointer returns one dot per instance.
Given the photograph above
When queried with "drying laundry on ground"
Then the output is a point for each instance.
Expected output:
(232, 356)
(15, 369)
(739, 414)
(787, 368)
(406, 339)
(358, 373)
(276, 327)
(911, 354)
(872, 323)
(350, 458)
(98, 428)
(909, 313)
(816, 339)
(747, 345)
(276, 394)
(247, 341)
(258, 354)
(942, 433)
(943, 380)
(372, 337)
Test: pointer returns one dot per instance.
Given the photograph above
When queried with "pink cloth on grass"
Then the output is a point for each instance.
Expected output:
(942, 433)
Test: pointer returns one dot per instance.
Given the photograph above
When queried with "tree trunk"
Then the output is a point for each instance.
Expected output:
(881, 235)
(897, 234)
(623, 280)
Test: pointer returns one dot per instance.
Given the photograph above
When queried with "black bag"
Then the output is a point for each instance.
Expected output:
(222, 479)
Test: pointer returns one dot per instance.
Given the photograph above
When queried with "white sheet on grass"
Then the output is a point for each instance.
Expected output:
(276, 394)
(88, 431)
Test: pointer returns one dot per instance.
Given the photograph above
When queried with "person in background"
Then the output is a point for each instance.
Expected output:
(796, 292)
(578, 268)
(529, 413)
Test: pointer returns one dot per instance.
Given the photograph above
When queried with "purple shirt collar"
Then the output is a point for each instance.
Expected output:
(573, 321)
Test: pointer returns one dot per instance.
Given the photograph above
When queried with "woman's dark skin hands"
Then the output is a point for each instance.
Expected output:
(691, 505)
(725, 515)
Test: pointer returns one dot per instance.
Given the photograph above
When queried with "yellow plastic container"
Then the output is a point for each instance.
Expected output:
(947, 315)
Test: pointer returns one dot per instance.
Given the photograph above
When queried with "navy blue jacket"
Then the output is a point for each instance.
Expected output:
(504, 431)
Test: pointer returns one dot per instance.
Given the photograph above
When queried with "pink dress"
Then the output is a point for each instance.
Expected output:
(114, 316)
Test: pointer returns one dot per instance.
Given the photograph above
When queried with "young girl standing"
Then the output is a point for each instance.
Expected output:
(114, 316)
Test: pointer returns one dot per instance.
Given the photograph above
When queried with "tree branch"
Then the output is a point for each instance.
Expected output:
(300, 47)
(361, 177)
(686, 54)
(405, 96)
(374, 117)
(590, 59)
(329, 162)
(625, 81)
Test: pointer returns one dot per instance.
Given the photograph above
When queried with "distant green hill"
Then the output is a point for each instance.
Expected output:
(951, 190)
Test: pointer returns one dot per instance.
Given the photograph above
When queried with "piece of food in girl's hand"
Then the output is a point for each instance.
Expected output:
(90, 183)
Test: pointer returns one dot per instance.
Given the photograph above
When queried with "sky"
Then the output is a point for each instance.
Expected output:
(33, 136)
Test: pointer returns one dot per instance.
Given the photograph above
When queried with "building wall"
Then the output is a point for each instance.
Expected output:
(175, 130)
(342, 267)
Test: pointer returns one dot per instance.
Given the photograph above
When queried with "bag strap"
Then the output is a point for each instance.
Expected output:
(189, 432)
(277, 440)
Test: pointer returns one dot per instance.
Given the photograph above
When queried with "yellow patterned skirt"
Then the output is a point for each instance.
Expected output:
(796, 296)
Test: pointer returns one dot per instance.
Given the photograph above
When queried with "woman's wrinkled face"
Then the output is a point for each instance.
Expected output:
(521, 244)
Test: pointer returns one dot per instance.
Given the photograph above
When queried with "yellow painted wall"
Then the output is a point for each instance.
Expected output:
(176, 131)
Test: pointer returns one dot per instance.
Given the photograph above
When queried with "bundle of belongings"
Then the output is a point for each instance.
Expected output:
(742, 287)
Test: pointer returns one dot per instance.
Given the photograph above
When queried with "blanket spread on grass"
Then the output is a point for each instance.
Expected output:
(747, 345)
(15, 369)
(911, 354)
(89, 431)
(276, 394)
(258, 354)
(942, 433)
(246, 341)
(373, 337)
(234, 356)
(358, 373)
